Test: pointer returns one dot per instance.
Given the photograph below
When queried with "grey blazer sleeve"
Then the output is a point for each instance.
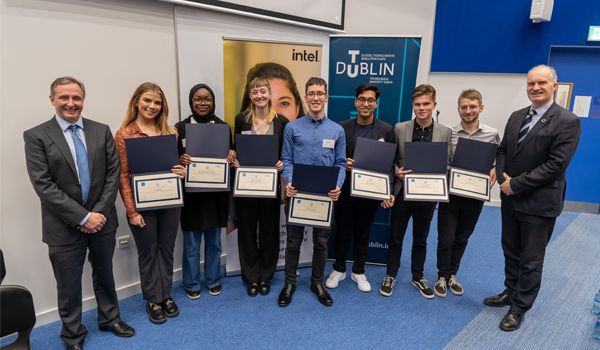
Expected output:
(57, 201)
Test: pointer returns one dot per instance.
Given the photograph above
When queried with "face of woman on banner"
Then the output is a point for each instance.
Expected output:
(149, 105)
(260, 96)
(283, 100)
(203, 102)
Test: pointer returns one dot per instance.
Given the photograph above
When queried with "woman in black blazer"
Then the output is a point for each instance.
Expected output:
(259, 259)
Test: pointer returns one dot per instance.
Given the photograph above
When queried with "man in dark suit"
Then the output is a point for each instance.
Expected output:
(538, 144)
(74, 168)
(354, 216)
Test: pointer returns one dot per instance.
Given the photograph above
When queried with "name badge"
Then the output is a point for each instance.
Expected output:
(183, 142)
(328, 143)
(247, 132)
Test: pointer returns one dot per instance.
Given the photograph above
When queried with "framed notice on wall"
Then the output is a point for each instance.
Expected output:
(563, 94)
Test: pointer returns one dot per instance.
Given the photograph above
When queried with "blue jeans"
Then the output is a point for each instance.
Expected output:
(191, 258)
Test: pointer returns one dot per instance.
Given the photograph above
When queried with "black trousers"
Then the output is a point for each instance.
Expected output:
(155, 243)
(67, 262)
(456, 223)
(402, 211)
(524, 241)
(295, 237)
(353, 217)
(258, 259)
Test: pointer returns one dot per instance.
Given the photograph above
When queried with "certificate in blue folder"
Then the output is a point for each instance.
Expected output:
(311, 206)
(208, 145)
(471, 165)
(428, 161)
(153, 183)
(370, 174)
(257, 175)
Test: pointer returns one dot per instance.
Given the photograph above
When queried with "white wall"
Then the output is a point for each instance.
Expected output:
(112, 46)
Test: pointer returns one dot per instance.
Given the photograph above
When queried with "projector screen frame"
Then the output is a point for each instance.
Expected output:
(254, 12)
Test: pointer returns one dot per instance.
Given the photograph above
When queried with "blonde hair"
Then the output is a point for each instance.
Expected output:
(161, 119)
(472, 95)
(256, 83)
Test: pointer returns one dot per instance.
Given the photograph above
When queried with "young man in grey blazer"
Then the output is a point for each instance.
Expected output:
(420, 129)
(74, 168)
(531, 165)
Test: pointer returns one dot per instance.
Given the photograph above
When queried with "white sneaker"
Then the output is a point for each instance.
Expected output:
(334, 279)
(362, 282)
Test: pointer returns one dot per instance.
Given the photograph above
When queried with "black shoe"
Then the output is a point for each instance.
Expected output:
(511, 321)
(322, 294)
(171, 309)
(285, 297)
(120, 329)
(215, 290)
(252, 289)
(423, 287)
(264, 287)
(75, 347)
(193, 294)
(499, 300)
(156, 314)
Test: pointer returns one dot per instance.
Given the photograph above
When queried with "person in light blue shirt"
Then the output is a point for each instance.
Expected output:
(313, 140)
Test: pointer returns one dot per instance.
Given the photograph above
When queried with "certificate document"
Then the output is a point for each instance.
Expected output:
(156, 191)
(425, 187)
(470, 184)
(255, 182)
(369, 184)
(207, 173)
(310, 210)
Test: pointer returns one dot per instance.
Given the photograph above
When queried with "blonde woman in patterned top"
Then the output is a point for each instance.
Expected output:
(154, 231)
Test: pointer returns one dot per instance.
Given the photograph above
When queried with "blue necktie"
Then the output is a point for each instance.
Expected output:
(525, 127)
(82, 164)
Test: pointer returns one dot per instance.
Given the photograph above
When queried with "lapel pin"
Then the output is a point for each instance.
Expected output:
(544, 120)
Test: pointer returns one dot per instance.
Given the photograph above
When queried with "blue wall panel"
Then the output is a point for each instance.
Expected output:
(498, 37)
(582, 68)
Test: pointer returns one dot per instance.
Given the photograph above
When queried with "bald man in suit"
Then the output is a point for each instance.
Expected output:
(531, 164)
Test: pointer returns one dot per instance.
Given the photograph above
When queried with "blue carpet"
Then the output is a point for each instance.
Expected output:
(356, 320)
(561, 317)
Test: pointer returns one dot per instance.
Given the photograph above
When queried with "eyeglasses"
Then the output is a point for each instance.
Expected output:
(203, 100)
(370, 101)
(319, 94)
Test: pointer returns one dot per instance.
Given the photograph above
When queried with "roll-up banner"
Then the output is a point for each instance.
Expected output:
(390, 63)
(287, 67)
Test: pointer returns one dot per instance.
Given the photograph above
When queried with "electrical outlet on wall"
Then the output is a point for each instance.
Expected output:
(123, 242)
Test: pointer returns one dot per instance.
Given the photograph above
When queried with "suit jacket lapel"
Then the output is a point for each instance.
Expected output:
(547, 118)
(375, 131)
(56, 135)
(436, 133)
(408, 132)
(90, 142)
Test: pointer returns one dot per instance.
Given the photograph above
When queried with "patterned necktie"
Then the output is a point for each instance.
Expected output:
(82, 164)
(525, 127)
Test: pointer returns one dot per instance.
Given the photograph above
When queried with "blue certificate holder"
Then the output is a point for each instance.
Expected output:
(208, 145)
(470, 169)
(153, 183)
(428, 161)
(257, 175)
(370, 174)
(311, 206)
